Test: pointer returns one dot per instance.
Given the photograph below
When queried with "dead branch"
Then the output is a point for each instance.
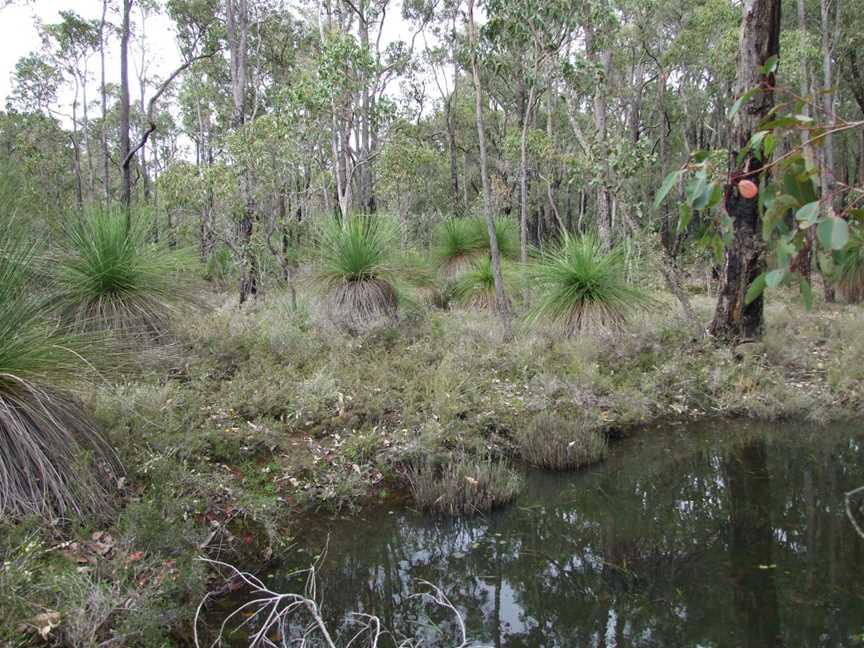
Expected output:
(273, 614)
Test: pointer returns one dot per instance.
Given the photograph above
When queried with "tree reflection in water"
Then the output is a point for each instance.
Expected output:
(723, 534)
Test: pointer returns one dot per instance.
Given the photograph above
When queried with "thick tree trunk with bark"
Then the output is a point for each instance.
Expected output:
(501, 302)
(734, 319)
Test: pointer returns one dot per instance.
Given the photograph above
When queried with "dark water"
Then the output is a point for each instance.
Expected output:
(722, 534)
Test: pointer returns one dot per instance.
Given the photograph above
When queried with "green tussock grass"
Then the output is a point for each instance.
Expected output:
(558, 443)
(465, 486)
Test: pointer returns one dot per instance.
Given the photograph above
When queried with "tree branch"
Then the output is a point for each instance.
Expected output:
(151, 106)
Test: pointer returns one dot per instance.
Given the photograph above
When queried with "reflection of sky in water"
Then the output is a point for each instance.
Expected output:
(684, 538)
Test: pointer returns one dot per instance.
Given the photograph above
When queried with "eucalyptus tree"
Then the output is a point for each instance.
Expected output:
(758, 53)
(125, 143)
(70, 44)
(501, 301)
(534, 32)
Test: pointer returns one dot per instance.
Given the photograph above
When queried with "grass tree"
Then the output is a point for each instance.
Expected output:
(476, 286)
(109, 275)
(583, 286)
(459, 242)
(356, 269)
(850, 273)
(52, 459)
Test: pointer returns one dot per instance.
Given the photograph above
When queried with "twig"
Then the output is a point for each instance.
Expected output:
(849, 514)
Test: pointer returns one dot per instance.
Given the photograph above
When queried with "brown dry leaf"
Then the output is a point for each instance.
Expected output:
(45, 623)
(136, 556)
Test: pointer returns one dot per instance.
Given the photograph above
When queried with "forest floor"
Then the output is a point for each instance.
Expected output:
(250, 418)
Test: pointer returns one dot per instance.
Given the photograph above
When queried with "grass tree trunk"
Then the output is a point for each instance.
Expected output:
(734, 318)
(501, 303)
(125, 145)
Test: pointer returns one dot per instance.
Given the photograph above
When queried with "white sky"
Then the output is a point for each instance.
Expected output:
(18, 37)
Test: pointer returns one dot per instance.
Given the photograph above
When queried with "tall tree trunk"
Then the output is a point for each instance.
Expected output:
(142, 104)
(366, 191)
(238, 34)
(803, 262)
(451, 152)
(85, 132)
(827, 152)
(602, 58)
(76, 152)
(103, 91)
(501, 302)
(126, 189)
(734, 319)
(523, 178)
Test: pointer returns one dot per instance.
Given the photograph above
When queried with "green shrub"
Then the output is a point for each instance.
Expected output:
(464, 486)
(582, 286)
(110, 276)
(52, 459)
(550, 441)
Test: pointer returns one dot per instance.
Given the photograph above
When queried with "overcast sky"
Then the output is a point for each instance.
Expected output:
(18, 37)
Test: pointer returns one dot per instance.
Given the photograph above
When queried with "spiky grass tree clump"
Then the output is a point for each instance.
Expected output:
(357, 272)
(850, 276)
(550, 441)
(455, 246)
(109, 275)
(506, 233)
(53, 461)
(465, 486)
(460, 242)
(476, 286)
(582, 286)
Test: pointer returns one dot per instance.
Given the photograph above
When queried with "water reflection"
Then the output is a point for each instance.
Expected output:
(689, 537)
